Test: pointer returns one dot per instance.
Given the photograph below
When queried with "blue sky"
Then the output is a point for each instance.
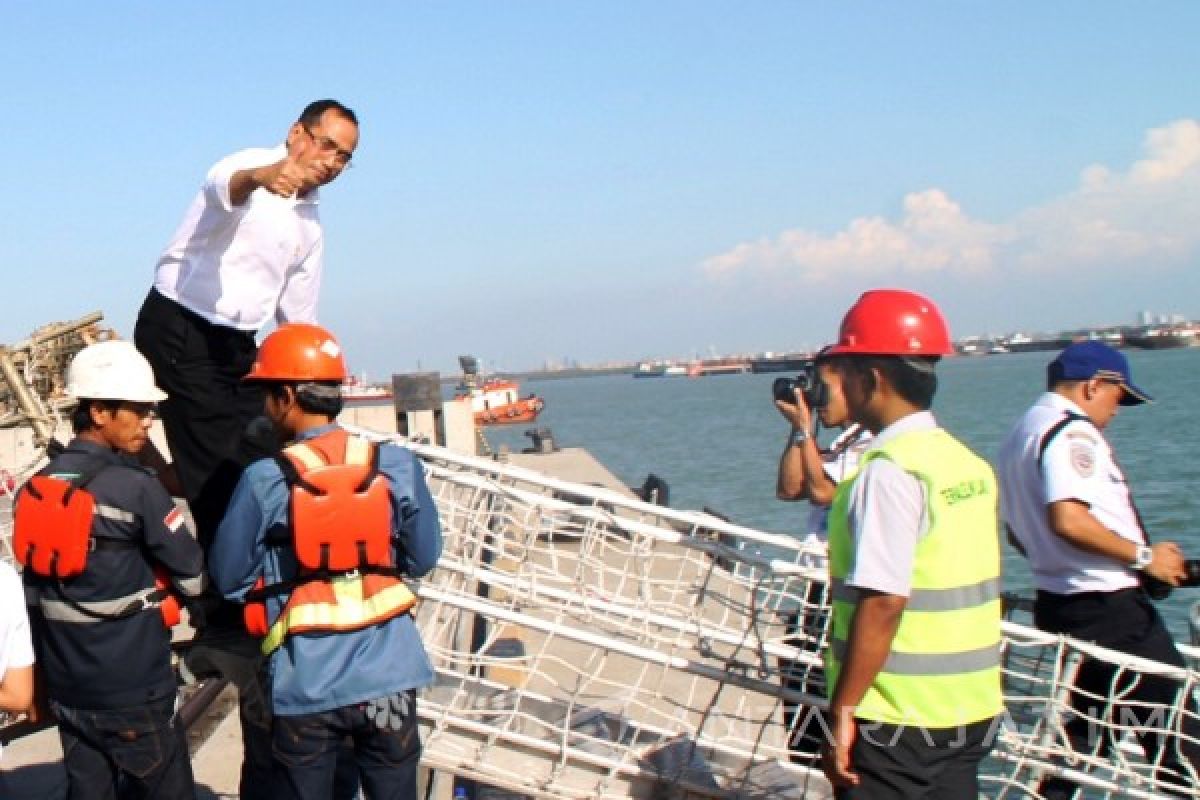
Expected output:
(618, 180)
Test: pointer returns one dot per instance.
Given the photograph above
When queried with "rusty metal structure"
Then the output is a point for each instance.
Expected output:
(34, 373)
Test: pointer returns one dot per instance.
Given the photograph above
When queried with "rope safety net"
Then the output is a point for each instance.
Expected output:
(589, 645)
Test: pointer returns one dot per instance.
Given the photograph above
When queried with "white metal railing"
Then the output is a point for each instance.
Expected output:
(589, 645)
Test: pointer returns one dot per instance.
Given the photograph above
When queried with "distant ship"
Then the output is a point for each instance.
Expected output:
(1020, 343)
(356, 391)
(1162, 338)
(785, 362)
(659, 369)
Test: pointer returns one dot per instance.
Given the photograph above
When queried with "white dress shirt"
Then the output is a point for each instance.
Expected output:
(1077, 465)
(16, 646)
(887, 515)
(241, 266)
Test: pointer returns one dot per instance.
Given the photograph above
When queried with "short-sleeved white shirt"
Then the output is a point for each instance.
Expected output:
(887, 516)
(241, 266)
(840, 460)
(16, 646)
(1077, 464)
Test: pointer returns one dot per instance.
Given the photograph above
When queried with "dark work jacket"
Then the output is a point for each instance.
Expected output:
(117, 663)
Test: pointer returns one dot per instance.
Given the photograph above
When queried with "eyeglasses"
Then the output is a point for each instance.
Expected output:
(142, 410)
(327, 145)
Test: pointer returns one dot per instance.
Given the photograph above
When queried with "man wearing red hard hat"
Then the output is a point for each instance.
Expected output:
(914, 657)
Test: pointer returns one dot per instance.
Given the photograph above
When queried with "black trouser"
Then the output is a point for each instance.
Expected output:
(806, 630)
(205, 416)
(208, 408)
(1128, 622)
(911, 763)
(136, 753)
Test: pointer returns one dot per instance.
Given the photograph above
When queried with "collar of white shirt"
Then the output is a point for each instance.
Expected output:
(918, 421)
(1057, 401)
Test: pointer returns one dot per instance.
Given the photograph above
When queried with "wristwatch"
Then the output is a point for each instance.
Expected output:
(1143, 558)
(799, 437)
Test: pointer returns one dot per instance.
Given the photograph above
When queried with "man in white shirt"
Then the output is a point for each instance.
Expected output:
(1068, 509)
(809, 472)
(16, 646)
(913, 664)
(248, 251)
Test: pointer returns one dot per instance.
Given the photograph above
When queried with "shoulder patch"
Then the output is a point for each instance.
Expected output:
(173, 520)
(1083, 458)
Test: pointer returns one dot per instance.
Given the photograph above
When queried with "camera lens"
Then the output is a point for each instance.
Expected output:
(784, 390)
(817, 395)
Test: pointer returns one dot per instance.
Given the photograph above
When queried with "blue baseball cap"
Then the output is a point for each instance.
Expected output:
(1092, 359)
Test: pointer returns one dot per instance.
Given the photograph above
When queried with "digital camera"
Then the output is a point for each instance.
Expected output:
(808, 383)
(1160, 590)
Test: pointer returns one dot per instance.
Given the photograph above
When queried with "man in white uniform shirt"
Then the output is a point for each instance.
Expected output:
(1068, 509)
(248, 252)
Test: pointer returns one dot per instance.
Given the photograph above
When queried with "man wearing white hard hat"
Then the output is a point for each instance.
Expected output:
(106, 552)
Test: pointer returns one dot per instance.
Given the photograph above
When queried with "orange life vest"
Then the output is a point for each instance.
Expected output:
(52, 536)
(341, 533)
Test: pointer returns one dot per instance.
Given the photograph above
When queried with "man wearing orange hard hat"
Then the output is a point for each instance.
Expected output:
(316, 542)
(914, 657)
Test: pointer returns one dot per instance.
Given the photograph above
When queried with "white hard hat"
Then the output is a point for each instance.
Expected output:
(113, 370)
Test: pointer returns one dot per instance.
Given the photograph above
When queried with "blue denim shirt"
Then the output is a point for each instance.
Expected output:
(311, 673)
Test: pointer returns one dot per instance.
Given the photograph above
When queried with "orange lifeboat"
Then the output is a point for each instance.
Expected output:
(498, 402)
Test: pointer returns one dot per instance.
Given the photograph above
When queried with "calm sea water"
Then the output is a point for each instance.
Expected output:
(717, 440)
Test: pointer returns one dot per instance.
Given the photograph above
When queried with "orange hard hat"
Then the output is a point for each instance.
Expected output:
(893, 322)
(298, 351)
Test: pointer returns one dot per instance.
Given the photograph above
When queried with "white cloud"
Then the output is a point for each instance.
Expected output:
(1146, 215)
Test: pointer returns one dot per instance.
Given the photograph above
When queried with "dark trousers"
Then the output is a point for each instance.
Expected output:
(206, 417)
(208, 409)
(306, 750)
(128, 753)
(909, 763)
(806, 630)
(1128, 622)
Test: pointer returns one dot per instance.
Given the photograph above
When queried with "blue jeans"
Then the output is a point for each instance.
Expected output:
(127, 753)
(306, 749)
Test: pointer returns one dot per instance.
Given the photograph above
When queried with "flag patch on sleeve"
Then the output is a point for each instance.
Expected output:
(173, 520)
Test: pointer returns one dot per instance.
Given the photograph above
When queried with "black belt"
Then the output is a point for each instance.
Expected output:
(1043, 594)
(196, 319)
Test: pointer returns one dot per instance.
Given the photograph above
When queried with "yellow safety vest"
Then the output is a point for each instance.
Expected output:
(944, 666)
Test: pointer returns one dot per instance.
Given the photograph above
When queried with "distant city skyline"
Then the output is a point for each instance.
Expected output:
(606, 181)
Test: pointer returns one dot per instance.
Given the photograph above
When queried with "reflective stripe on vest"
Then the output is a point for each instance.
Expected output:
(932, 663)
(951, 599)
(346, 601)
(943, 669)
(342, 603)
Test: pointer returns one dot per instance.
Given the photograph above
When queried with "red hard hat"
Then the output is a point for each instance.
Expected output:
(299, 352)
(893, 322)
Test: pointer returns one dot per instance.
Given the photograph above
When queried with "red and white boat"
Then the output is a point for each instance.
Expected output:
(356, 391)
(495, 401)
